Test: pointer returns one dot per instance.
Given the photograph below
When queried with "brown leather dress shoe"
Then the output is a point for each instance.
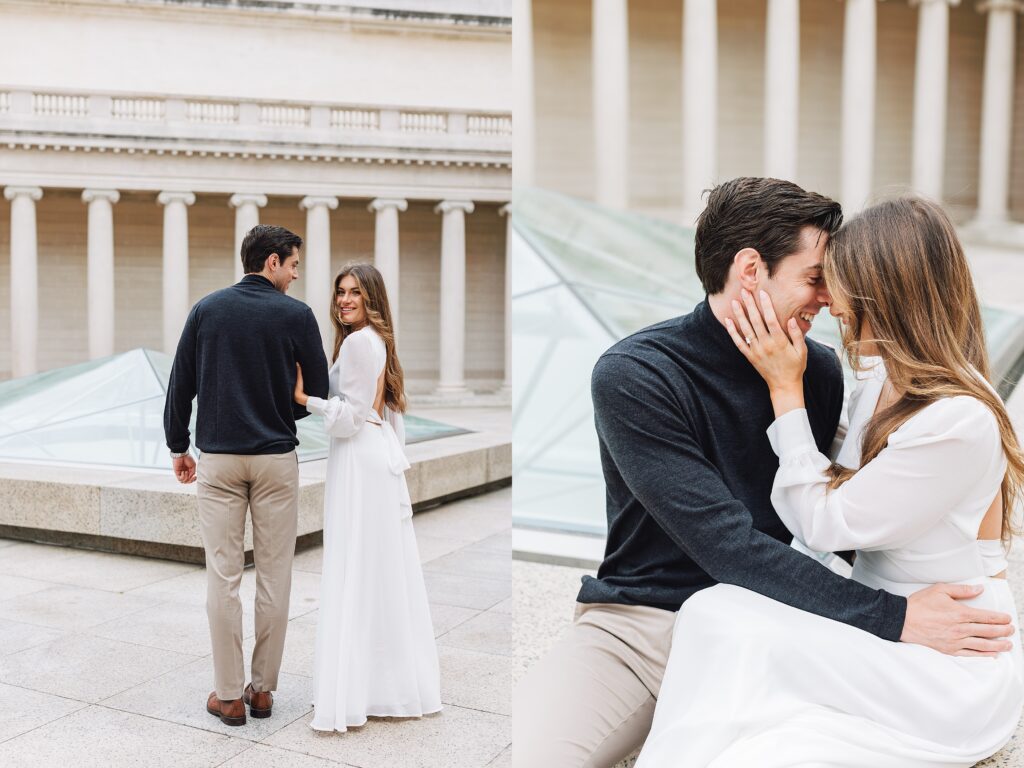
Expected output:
(260, 702)
(230, 712)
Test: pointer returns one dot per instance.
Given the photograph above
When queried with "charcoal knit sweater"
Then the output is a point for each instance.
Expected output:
(681, 418)
(238, 352)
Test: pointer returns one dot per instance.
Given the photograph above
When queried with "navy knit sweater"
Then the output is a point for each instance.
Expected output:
(681, 418)
(238, 352)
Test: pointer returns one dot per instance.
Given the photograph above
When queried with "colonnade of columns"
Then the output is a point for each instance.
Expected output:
(176, 305)
(782, 64)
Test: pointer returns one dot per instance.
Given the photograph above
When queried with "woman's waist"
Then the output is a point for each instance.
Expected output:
(996, 595)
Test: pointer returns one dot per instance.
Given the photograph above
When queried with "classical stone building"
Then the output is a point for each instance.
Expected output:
(140, 138)
(645, 103)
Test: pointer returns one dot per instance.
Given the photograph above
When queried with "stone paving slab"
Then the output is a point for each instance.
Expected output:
(180, 697)
(97, 737)
(109, 654)
(26, 710)
(456, 736)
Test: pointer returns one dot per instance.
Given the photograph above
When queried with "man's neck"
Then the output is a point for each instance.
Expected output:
(266, 276)
(720, 304)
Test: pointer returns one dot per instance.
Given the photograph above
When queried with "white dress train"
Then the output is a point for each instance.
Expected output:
(754, 682)
(375, 651)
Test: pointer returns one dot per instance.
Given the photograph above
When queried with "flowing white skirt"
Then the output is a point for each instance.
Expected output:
(375, 649)
(753, 682)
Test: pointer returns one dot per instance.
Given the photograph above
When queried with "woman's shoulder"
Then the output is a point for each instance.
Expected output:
(365, 337)
(962, 417)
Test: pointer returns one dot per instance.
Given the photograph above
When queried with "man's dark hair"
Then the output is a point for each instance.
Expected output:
(764, 214)
(263, 240)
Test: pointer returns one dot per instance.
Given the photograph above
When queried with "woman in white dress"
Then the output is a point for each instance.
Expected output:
(921, 490)
(375, 653)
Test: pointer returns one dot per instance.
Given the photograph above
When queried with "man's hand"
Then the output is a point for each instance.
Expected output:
(935, 619)
(185, 469)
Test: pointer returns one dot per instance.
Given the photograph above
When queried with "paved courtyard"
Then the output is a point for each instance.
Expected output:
(105, 660)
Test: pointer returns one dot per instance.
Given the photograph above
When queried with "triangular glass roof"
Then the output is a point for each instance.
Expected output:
(584, 277)
(110, 412)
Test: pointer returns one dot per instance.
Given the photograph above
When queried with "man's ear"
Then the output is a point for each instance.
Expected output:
(273, 261)
(747, 263)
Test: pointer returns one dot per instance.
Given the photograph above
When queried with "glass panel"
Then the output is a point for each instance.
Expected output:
(110, 412)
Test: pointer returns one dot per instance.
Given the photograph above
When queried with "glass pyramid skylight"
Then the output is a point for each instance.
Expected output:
(584, 277)
(110, 412)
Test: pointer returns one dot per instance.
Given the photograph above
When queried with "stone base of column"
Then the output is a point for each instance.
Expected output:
(451, 390)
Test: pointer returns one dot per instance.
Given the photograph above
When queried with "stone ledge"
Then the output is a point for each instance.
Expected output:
(149, 513)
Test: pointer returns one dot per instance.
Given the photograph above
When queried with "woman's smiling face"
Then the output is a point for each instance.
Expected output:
(349, 301)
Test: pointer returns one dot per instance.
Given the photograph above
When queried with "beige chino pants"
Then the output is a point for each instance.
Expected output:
(268, 485)
(590, 701)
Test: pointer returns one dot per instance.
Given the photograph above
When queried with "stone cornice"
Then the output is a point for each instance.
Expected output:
(14, 141)
(295, 13)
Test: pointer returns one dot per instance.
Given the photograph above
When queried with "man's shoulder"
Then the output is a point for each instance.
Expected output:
(233, 296)
(650, 341)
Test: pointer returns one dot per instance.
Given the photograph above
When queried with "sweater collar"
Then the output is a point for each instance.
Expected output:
(258, 280)
(716, 342)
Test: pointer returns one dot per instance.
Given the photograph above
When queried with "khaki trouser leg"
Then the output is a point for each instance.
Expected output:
(223, 493)
(274, 502)
(590, 701)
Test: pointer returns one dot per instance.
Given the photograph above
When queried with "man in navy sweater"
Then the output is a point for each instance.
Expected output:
(238, 353)
(681, 421)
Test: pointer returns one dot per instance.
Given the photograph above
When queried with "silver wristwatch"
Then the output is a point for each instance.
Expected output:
(178, 455)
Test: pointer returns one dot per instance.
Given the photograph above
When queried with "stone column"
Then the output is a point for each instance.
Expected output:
(176, 303)
(24, 280)
(930, 85)
(524, 132)
(319, 289)
(453, 295)
(506, 384)
(100, 282)
(247, 215)
(700, 103)
(610, 57)
(782, 88)
(385, 248)
(997, 112)
(858, 111)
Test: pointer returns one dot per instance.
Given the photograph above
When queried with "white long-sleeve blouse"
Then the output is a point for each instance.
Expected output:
(360, 362)
(944, 464)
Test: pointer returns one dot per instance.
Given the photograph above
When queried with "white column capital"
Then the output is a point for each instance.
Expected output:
(447, 206)
(33, 193)
(314, 201)
(380, 203)
(244, 198)
(999, 5)
(110, 195)
(165, 198)
(505, 210)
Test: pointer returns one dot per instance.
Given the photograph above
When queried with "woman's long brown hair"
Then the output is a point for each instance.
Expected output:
(378, 315)
(901, 270)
